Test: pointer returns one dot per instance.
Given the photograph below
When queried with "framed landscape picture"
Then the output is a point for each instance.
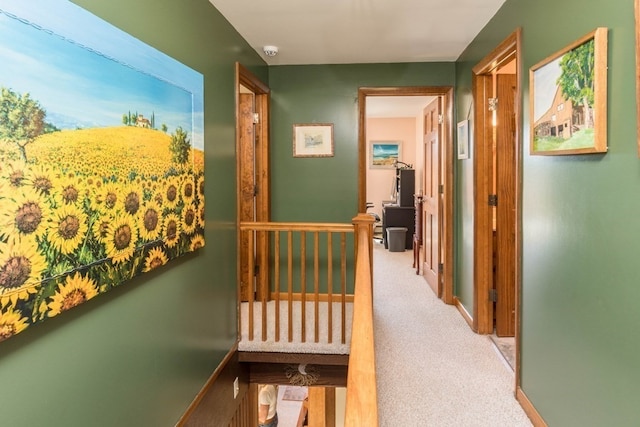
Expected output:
(385, 154)
(569, 99)
(101, 160)
(313, 140)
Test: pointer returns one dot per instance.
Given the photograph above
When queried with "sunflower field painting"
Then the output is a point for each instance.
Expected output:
(101, 159)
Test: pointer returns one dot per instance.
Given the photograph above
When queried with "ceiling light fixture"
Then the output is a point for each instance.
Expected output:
(270, 50)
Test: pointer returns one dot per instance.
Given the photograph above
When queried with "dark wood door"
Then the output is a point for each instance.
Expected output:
(505, 173)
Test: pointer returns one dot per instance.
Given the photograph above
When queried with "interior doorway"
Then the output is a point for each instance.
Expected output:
(253, 177)
(440, 180)
(497, 160)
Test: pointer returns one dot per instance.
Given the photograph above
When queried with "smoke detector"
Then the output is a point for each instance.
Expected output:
(270, 50)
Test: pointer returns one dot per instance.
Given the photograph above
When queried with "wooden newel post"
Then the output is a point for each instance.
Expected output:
(363, 224)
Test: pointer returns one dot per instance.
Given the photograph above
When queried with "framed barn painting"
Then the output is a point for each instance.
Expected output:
(101, 159)
(569, 99)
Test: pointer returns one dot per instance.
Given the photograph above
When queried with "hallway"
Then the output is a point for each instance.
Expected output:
(431, 368)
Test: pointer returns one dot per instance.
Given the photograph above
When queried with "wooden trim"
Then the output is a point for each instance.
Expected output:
(205, 389)
(294, 358)
(448, 204)
(296, 296)
(463, 311)
(518, 206)
(296, 226)
(446, 92)
(529, 409)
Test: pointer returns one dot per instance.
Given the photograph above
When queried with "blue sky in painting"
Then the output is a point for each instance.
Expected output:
(381, 150)
(545, 87)
(86, 73)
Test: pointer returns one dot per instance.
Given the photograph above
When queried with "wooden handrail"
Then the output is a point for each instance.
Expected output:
(362, 402)
(297, 226)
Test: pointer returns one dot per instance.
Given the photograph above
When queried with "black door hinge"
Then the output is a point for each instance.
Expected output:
(441, 268)
(493, 200)
(493, 295)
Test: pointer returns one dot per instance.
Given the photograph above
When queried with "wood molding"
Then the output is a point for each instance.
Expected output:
(280, 373)
(213, 402)
(529, 409)
(463, 311)
(447, 93)
(294, 358)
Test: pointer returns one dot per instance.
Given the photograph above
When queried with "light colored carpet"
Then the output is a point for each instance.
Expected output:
(432, 370)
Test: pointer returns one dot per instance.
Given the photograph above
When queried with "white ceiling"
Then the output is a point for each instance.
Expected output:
(396, 106)
(358, 31)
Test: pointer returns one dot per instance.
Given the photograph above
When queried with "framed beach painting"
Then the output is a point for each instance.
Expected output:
(568, 102)
(384, 154)
(101, 159)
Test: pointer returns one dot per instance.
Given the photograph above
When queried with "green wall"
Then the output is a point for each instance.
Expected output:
(580, 293)
(139, 354)
(326, 189)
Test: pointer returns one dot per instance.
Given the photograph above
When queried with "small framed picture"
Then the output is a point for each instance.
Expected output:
(313, 140)
(385, 154)
(463, 139)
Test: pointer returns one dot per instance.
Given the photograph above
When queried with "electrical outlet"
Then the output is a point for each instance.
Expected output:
(236, 387)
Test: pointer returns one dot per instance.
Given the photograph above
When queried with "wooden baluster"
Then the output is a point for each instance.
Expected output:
(250, 276)
(343, 285)
(264, 287)
(290, 282)
(330, 287)
(316, 287)
(276, 284)
(303, 285)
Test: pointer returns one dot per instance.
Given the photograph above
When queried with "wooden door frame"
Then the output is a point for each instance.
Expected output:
(446, 92)
(262, 92)
(507, 50)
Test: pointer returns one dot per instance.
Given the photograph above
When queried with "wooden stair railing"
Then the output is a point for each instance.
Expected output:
(362, 405)
(284, 239)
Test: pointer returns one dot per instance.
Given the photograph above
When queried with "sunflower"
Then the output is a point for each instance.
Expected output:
(42, 179)
(132, 200)
(200, 187)
(27, 215)
(21, 269)
(171, 230)
(107, 197)
(189, 218)
(187, 188)
(69, 227)
(15, 173)
(155, 258)
(197, 241)
(171, 193)
(122, 235)
(70, 191)
(100, 227)
(74, 291)
(200, 216)
(11, 323)
(150, 221)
